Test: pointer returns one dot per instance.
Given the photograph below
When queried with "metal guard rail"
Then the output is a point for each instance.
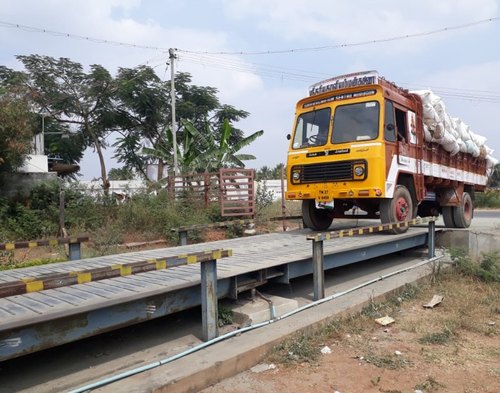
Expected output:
(73, 242)
(319, 238)
(57, 280)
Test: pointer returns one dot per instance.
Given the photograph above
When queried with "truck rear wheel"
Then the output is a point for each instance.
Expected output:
(397, 209)
(462, 214)
(448, 216)
(316, 219)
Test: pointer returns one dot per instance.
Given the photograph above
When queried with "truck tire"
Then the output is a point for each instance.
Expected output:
(398, 208)
(449, 222)
(462, 214)
(316, 219)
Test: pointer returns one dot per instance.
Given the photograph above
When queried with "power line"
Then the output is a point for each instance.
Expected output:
(263, 52)
(347, 45)
(266, 70)
(32, 29)
(311, 77)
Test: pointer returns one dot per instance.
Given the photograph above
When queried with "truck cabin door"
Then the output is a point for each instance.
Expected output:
(400, 131)
(406, 135)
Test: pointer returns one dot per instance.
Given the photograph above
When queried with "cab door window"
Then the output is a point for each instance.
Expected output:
(389, 122)
(312, 129)
(401, 125)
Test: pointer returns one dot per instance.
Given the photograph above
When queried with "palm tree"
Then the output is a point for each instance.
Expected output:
(215, 155)
(199, 152)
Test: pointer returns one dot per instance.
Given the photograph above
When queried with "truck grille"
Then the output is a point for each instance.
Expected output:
(331, 171)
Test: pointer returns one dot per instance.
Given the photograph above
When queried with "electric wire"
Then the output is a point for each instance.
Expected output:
(354, 44)
(55, 33)
(220, 60)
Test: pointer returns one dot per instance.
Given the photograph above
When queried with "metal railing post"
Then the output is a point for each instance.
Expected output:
(75, 251)
(431, 239)
(318, 272)
(183, 238)
(209, 312)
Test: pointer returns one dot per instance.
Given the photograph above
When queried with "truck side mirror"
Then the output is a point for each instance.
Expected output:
(288, 137)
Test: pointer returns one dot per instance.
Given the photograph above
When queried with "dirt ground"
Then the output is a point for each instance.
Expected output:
(454, 347)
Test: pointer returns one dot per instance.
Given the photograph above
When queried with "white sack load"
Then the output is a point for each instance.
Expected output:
(491, 162)
(450, 132)
(427, 134)
(472, 148)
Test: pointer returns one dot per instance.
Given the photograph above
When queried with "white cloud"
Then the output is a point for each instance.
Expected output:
(355, 21)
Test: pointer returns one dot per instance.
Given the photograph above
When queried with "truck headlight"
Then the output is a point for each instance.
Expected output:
(359, 170)
(296, 174)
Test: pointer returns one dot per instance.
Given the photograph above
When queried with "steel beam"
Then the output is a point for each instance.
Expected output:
(183, 238)
(209, 311)
(318, 269)
(431, 241)
(346, 257)
(75, 251)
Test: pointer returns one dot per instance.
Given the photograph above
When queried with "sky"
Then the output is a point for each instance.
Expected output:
(298, 43)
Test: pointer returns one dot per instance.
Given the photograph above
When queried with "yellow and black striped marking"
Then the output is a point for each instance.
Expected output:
(364, 230)
(222, 224)
(56, 280)
(42, 243)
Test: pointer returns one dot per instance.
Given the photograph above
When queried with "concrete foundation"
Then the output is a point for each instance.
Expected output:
(257, 310)
(474, 242)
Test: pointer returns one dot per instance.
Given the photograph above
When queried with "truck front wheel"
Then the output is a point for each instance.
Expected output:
(316, 219)
(462, 214)
(398, 208)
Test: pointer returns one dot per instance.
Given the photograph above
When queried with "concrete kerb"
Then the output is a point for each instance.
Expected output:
(234, 355)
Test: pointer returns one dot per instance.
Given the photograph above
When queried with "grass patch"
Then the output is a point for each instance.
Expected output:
(438, 338)
(300, 348)
(33, 262)
(488, 269)
(225, 315)
(429, 385)
(391, 362)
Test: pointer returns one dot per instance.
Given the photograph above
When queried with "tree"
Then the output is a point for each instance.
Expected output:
(276, 171)
(263, 173)
(494, 180)
(82, 100)
(219, 152)
(143, 107)
(266, 173)
(16, 120)
(145, 104)
(61, 144)
(121, 174)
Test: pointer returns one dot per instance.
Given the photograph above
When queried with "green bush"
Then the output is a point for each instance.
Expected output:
(489, 199)
(20, 222)
(151, 216)
(488, 269)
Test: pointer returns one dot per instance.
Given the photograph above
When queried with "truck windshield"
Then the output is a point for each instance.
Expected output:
(312, 128)
(356, 122)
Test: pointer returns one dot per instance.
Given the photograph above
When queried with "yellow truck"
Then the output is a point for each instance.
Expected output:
(362, 145)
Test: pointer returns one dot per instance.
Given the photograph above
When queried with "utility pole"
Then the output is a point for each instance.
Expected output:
(171, 52)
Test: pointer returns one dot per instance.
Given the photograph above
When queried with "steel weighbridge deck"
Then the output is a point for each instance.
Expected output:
(42, 319)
